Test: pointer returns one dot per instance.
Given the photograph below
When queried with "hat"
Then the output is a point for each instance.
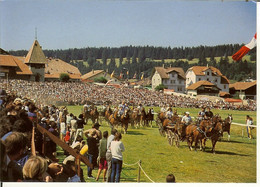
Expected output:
(187, 113)
(43, 119)
(17, 101)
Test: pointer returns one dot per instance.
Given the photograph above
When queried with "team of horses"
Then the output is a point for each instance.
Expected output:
(134, 116)
(197, 132)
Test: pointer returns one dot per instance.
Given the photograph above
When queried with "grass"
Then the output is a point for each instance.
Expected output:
(234, 161)
(193, 61)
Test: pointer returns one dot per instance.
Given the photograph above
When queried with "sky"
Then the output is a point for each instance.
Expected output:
(63, 24)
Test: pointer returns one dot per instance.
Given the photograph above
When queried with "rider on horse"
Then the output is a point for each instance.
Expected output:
(169, 113)
(201, 115)
(186, 120)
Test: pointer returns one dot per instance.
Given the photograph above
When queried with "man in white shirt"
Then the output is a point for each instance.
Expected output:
(109, 154)
(186, 120)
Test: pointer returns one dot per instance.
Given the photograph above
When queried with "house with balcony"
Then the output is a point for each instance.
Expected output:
(172, 77)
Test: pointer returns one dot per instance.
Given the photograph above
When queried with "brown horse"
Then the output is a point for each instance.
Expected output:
(226, 125)
(198, 134)
(215, 134)
(161, 116)
(149, 117)
(135, 118)
(113, 119)
(143, 118)
(124, 120)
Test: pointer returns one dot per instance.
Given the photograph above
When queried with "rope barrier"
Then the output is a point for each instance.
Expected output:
(138, 163)
(145, 173)
(131, 164)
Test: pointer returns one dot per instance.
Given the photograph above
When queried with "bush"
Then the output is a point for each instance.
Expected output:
(160, 87)
(64, 77)
(101, 80)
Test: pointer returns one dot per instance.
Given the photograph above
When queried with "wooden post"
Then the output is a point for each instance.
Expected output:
(139, 171)
(78, 165)
(44, 144)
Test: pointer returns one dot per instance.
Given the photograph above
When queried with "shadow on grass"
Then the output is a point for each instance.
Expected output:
(235, 141)
(134, 133)
(224, 153)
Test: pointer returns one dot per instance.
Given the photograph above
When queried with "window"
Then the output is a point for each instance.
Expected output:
(207, 79)
(207, 73)
(199, 79)
(172, 81)
(216, 80)
(225, 86)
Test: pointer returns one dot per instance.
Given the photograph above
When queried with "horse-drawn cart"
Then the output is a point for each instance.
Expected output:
(172, 136)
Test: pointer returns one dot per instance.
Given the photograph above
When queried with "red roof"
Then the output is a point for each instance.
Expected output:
(230, 100)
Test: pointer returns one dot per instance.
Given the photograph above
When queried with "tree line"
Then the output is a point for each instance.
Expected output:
(138, 60)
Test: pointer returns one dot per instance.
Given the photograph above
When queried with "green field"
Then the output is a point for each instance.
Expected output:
(234, 161)
(193, 61)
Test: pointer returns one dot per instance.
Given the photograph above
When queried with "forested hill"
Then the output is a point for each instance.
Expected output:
(138, 59)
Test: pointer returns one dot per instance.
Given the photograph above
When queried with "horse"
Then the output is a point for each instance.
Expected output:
(198, 134)
(108, 112)
(135, 118)
(161, 116)
(149, 117)
(113, 119)
(215, 134)
(143, 117)
(93, 115)
(226, 125)
(124, 120)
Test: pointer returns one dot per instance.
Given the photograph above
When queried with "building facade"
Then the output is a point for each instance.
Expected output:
(173, 78)
(205, 73)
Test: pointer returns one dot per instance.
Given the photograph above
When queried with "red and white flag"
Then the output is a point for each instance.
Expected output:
(245, 49)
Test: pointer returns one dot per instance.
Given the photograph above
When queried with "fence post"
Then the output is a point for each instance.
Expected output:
(78, 165)
(139, 171)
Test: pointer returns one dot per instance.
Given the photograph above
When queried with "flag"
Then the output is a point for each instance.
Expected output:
(112, 74)
(134, 77)
(142, 77)
(121, 75)
(245, 49)
(127, 72)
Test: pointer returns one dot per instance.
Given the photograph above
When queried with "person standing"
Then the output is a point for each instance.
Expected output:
(80, 127)
(117, 147)
(249, 121)
(92, 142)
(109, 154)
(102, 156)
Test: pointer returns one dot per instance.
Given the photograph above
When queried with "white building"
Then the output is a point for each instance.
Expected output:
(173, 78)
(210, 74)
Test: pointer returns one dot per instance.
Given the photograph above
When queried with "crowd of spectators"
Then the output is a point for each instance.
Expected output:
(78, 93)
(23, 157)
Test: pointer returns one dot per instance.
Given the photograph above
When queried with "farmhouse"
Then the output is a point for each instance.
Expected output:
(245, 90)
(203, 88)
(173, 78)
(207, 73)
(35, 66)
(94, 74)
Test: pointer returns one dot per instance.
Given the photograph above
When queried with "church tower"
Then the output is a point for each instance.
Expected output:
(36, 61)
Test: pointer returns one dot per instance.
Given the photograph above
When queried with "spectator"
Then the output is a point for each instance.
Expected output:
(170, 178)
(249, 121)
(50, 145)
(34, 170)
(102, 156)
(15, 145)
(92, 142)
(80, 126)
(117, 147)
(109, 154)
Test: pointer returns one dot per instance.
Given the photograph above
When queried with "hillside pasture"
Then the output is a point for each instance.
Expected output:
(234, 161)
